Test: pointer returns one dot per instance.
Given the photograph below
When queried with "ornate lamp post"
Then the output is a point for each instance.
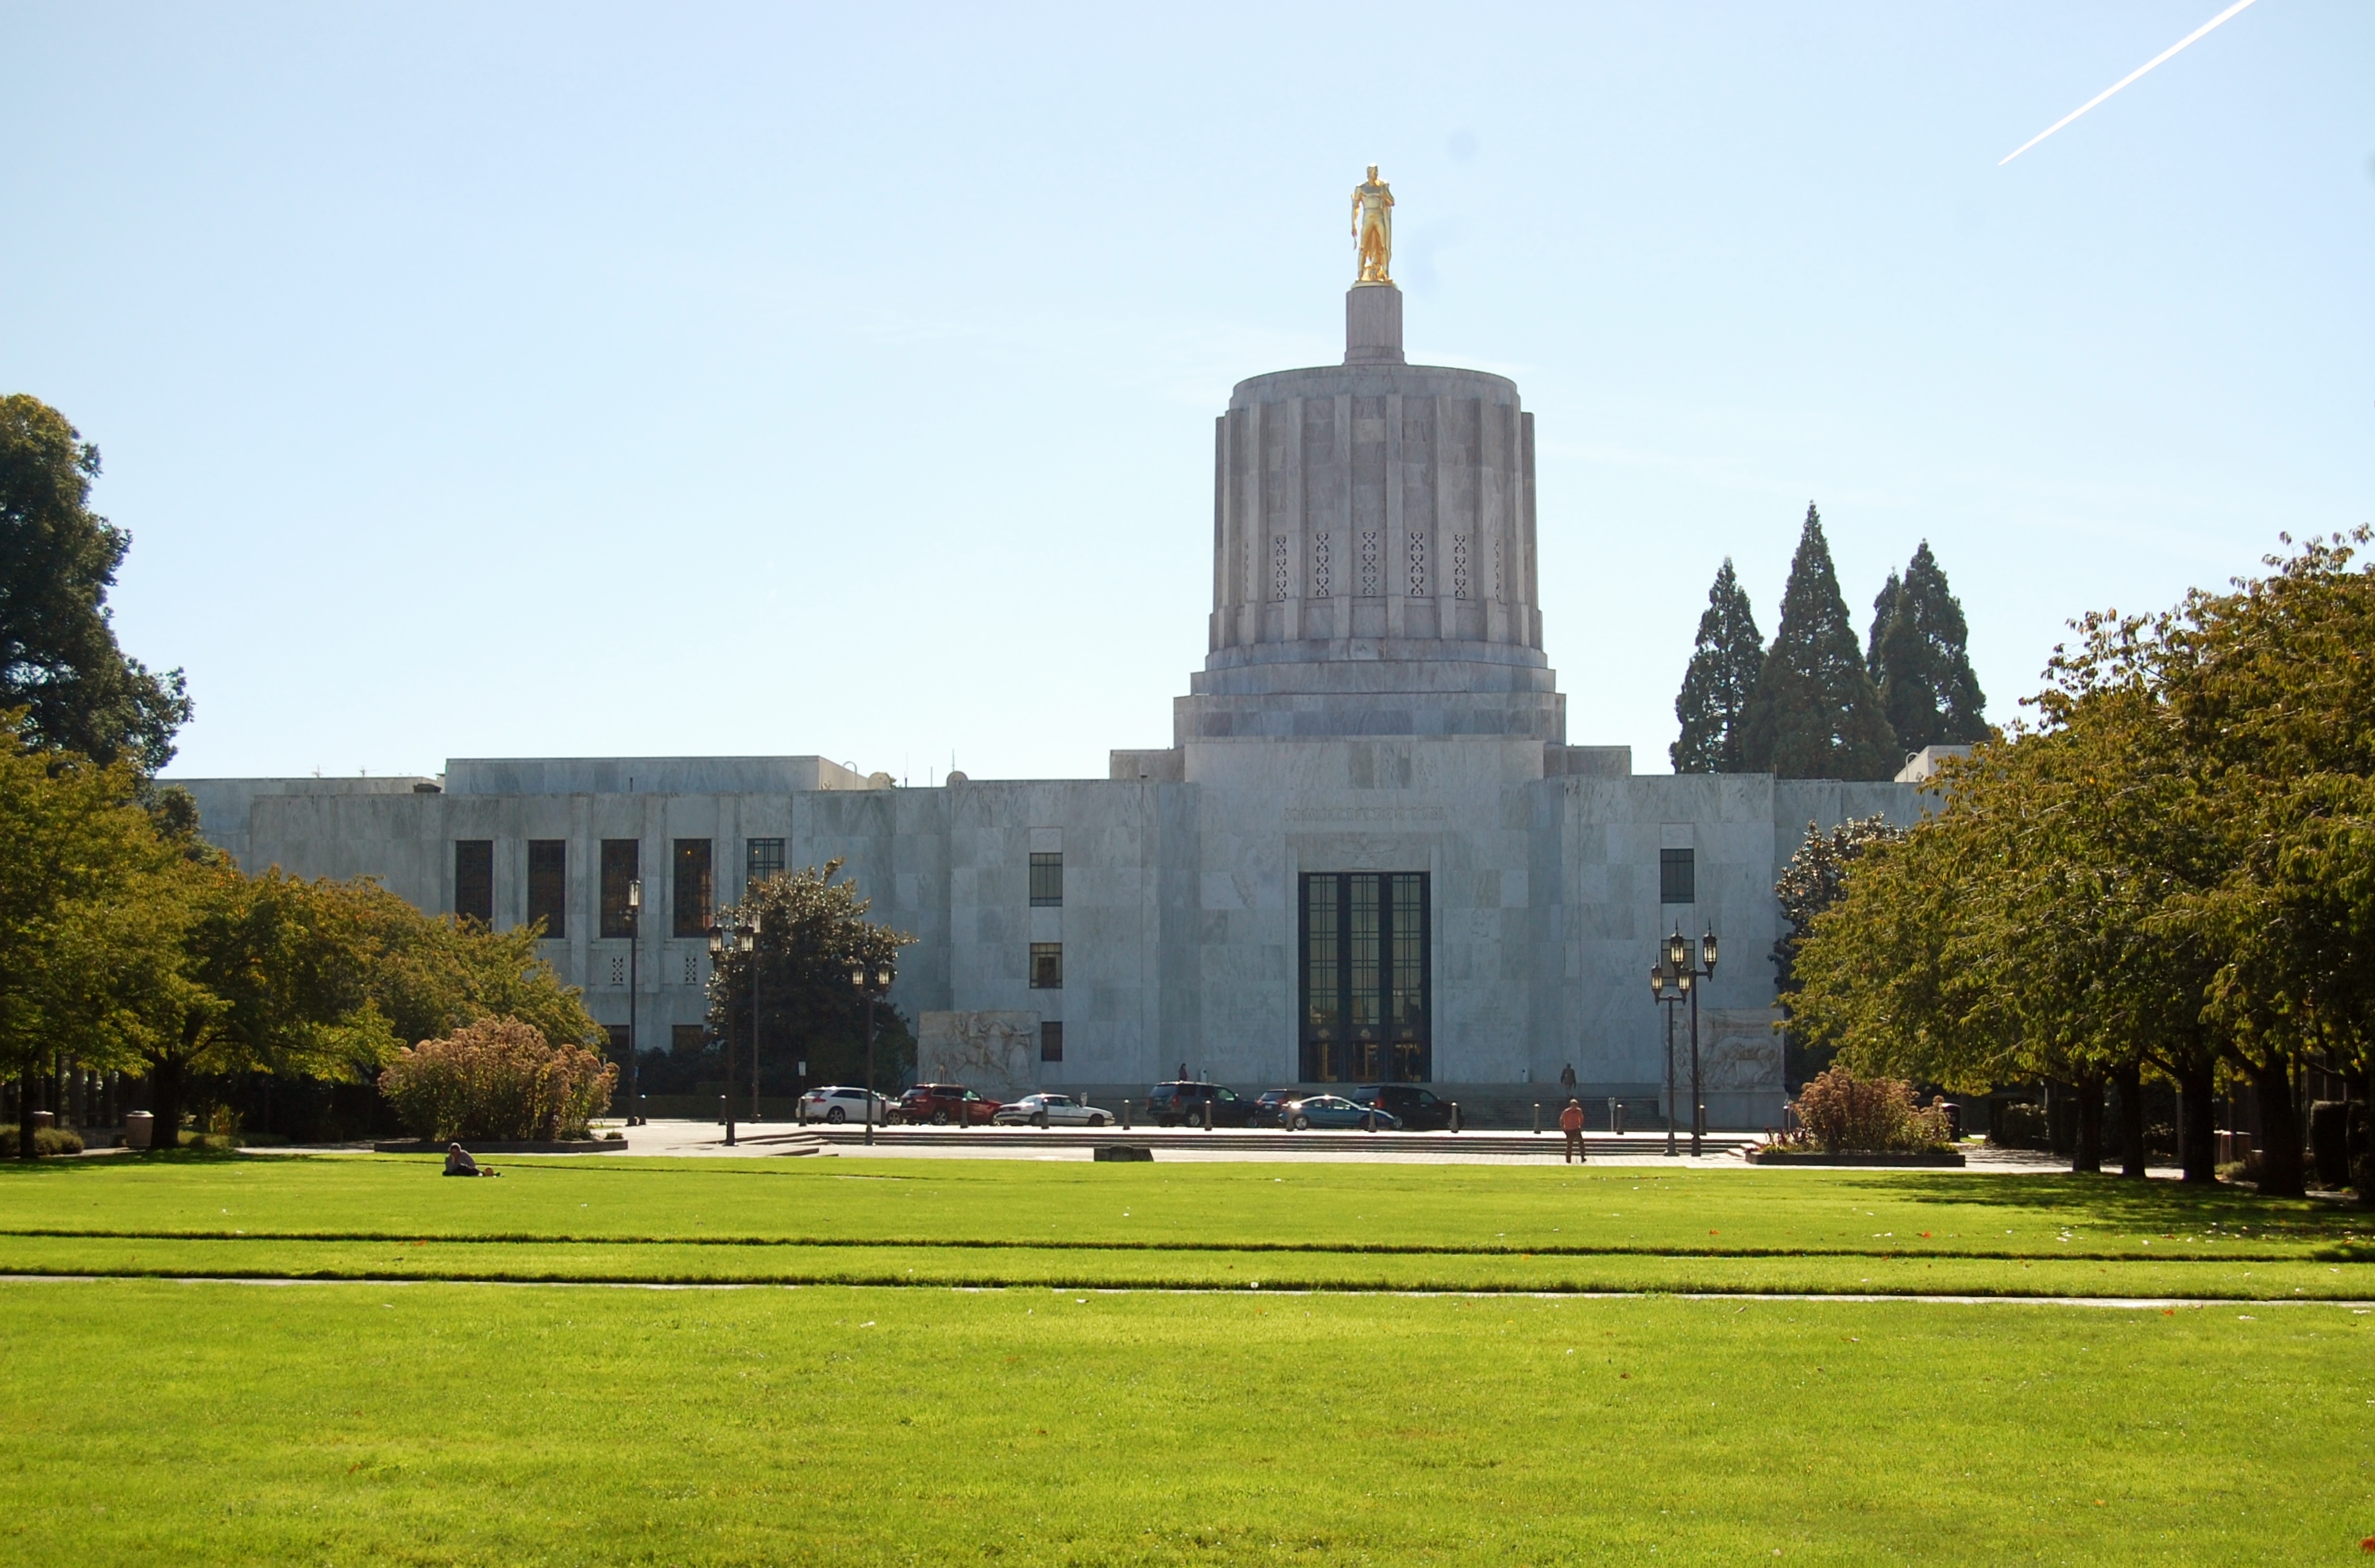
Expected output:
(725, 942)
(871, 982)
(1667, 989)
(1683, 968)
(749, 945)
(634, 1002)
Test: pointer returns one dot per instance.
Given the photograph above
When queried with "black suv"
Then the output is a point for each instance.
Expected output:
(1419, 1109)
(1198, 1105)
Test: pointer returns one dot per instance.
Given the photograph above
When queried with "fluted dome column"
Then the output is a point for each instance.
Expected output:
(1374, 569)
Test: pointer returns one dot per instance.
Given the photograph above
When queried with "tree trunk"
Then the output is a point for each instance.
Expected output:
(2088, 1157)
(2197, 1129)
(25, 1117)
(2282, 1174)
(2132, 1122)
(165, 1103)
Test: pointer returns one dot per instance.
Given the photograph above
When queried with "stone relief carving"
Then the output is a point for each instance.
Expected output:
(995, 1053)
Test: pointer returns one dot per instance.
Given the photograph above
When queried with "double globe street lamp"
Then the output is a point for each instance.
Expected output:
(873, 982)
(726, 940)
(1673, 981)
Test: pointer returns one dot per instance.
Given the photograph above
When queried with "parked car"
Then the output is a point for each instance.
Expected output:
(940, 1104)
(837, 1103)
(1335, 1110)
(1197, 1104)
(1416, 1109)
(1051, 1111)
(1269, 1106)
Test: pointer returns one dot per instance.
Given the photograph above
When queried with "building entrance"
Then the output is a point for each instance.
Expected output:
(1365, 964)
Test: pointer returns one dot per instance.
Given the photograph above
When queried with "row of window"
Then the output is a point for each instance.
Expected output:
(690, 867)
(687, 1039)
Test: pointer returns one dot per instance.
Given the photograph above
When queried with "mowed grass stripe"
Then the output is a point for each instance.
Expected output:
(2347, 1254)
(701, 1263)
(442, 1426)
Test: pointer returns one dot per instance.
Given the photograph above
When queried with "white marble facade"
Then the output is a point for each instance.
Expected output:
(1375, 698)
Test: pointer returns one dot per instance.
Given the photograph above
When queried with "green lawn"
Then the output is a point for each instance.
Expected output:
(408, 1416)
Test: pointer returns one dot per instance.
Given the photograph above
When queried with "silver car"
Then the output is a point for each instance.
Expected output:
(1052, 1111)
(836, 1105)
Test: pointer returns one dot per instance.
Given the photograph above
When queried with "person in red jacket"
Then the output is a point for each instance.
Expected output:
(1571, 1124)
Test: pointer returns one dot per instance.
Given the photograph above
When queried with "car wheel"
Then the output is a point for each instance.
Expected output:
(1302, 1124)
(1101, 1120)
(836, 1116)
(940, 1118)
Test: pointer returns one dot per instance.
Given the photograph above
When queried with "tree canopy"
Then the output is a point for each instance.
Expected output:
(59, 661)
(1724, 665)
(812, 931)
(1814, 713)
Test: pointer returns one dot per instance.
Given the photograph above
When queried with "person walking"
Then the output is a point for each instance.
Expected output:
(1567, 1077)
(1571, 1124)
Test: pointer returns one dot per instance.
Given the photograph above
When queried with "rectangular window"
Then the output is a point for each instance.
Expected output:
(1363, 948)
(1677, 877)
(548, 885)
(621, 864)
(1046, 879)
(691, 915)
(1047, 966)
(1051, 1042)
(687, 1039)
(474, 879)
(623, 1046)
(761, 858)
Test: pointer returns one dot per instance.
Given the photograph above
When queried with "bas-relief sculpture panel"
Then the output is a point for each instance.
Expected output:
(993, 1051)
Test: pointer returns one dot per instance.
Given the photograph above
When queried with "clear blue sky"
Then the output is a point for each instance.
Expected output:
(513, 381)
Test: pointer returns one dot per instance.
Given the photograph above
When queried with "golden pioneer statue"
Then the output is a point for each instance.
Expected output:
(1373, 228)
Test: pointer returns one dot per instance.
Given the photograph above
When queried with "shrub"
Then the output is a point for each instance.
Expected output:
(2019, 1125)
(498, 1079)
(46, 1140)
(1837, 1113)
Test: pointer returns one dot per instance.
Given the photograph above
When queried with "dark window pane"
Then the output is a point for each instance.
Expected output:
(1051, 1042)
(1046, 879)
(1677, 877)
(622, 1042)
(1365, 955)
(692, 913)
(1047, 966)
(761, 858)
(1363, 950)
(688, 1039)
(474, 879)
(621, 863)
(548, 885)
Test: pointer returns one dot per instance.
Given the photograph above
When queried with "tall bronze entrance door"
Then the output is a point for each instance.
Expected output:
(1363, 945)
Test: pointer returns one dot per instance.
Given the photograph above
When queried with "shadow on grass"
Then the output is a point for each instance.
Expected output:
(2155, 1208)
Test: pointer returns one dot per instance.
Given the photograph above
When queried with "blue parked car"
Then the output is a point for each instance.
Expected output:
(1335, 1110)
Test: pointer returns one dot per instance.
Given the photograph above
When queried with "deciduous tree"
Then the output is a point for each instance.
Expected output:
(812, 931)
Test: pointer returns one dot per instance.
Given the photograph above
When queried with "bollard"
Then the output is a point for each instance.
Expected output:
(1538, 1118)
(1124, 1115)
(1455, 1115)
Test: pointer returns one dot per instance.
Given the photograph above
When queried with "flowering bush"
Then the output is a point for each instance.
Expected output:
(1837, 1113)
(498, 1079)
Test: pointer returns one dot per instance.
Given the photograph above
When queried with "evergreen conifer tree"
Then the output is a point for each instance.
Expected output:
(1882, 608)
(1814, 713)
(1921, 662)
(1723, 669)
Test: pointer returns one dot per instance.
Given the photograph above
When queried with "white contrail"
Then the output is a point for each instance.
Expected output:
(2123, 81)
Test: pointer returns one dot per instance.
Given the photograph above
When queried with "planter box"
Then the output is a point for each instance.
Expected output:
(1792, 1157)
(573, 1146)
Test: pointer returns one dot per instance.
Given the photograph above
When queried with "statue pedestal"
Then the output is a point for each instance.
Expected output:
(1373, 325)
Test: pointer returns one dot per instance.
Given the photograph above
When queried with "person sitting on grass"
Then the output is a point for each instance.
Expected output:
(459, 1164)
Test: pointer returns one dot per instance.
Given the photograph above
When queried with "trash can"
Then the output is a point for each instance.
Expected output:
(137, 1128)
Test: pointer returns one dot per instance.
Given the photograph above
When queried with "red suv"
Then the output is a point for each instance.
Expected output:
(940, 1104)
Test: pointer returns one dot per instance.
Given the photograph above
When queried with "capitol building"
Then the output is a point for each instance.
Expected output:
(1369, 852)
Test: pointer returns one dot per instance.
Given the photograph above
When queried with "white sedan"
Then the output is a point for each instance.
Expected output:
(1052, 1111)
(837, 1105)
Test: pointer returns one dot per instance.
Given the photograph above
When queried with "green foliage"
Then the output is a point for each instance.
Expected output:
(84, 906)
(1814, 713)
(1838, 1113)
(1724, 665)
(1921, 662)
(812, 931)
(428, 975)
(498, 1079)
(58, 655)
(1810, 884)
(47, 1142)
